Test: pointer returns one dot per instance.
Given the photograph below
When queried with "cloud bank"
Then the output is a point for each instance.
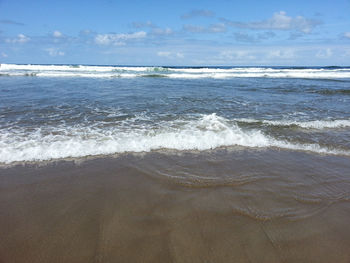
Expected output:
(19, 39)
(118, 39)
(198, 13)
(214, 28)
(279, 21)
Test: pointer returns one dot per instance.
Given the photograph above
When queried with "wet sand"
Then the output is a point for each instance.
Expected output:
(217, 206)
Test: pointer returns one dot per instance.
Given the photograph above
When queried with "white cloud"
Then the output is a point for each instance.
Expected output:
(22, 38)
(19, 39)
(197, 13)
(279, 21)
(4, 55)
(217, 28)
(256, 55)
(143, 24)
(281, 54)
(180, 55)
(155, 30)
(57, 34)
(252, 38)
(160, 31)
(118, 39)
(243, 37)
(263, 55)
(214, 28)
(236, 55)
(163, 54)
(169, 54)
(347, 34)
(85, 32)
(54, 52)
(324, 53)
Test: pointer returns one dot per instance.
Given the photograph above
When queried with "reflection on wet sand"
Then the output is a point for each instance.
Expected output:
(216, 206)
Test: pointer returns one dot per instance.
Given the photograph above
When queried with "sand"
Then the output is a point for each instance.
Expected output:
(230, 207)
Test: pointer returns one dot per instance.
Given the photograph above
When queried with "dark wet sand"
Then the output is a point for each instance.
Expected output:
(222, 206)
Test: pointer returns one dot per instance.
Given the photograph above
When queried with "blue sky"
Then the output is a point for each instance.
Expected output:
(198, 33)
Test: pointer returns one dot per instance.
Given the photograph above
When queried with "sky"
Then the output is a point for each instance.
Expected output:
(176, 33)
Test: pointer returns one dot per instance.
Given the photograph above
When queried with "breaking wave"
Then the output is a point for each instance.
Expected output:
(203, 133)
(316, 124)
(186, 73)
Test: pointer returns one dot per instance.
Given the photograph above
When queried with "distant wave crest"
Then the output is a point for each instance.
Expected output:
(330, 73)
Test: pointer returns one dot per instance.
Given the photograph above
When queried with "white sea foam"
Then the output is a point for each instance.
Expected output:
(316, 124)
(206, 132)
(85, 74)
(73, 68)
(190, 73)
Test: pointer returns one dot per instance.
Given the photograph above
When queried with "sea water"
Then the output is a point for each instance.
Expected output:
(50, 112)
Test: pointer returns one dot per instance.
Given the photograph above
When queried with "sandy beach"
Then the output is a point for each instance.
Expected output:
(148, 208)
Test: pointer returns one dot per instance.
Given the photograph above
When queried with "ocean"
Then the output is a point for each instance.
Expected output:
(51, 112)
(247, 162)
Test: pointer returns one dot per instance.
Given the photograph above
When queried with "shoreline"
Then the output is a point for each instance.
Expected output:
(168, 152)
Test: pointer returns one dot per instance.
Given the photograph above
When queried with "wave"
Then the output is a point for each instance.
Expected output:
(186, 73)
(332, 91)
(316, 124)
(72, 68)
(154, 76)
(204, 133)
